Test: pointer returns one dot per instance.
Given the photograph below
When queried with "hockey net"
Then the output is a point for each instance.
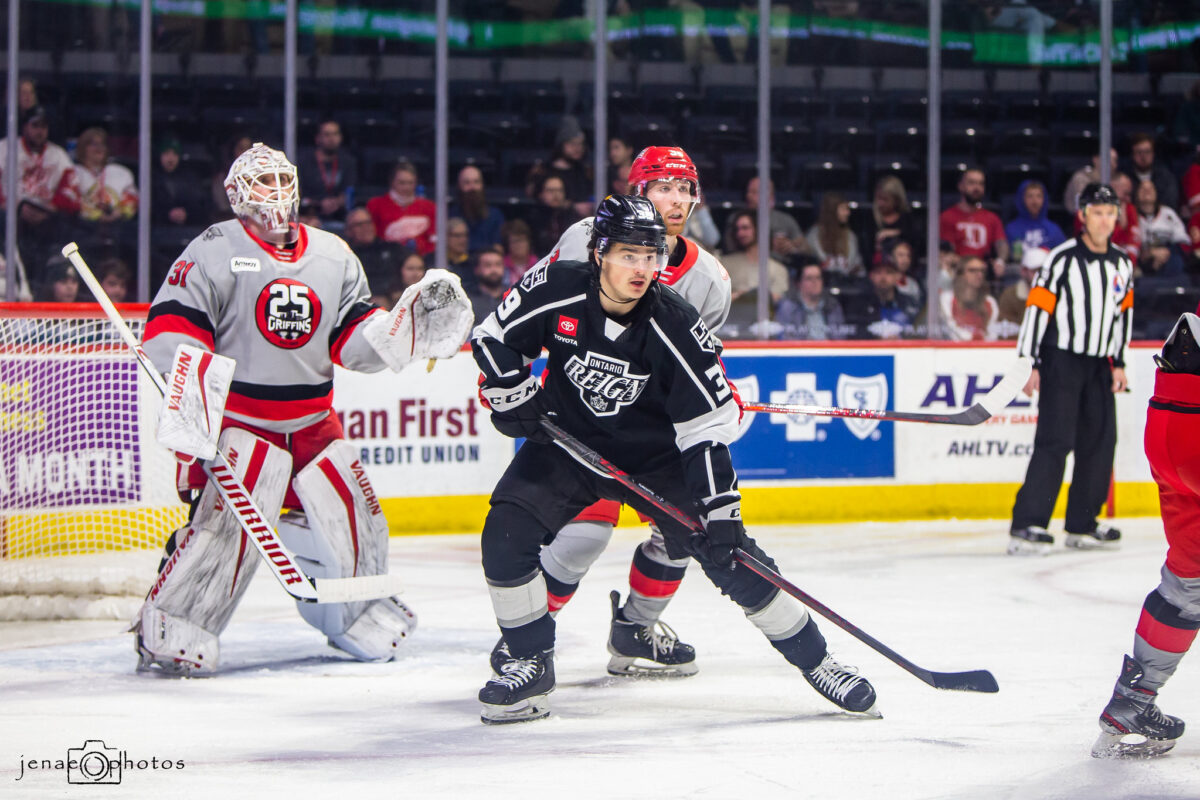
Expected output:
(87, 497)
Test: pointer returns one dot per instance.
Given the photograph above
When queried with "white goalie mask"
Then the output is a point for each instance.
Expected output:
(263, 188)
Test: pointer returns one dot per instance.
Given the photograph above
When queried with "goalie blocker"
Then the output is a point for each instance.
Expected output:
(208, 563)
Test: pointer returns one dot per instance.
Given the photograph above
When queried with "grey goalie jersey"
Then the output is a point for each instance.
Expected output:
(285, 316)
(641, 393)
(691, 271)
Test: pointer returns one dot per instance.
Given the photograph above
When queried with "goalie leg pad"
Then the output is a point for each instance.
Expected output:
(343, 533)
(208, 563)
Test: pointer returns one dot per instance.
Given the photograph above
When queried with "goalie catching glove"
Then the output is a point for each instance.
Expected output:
(197, 387)
(517, 410)
(432, 319)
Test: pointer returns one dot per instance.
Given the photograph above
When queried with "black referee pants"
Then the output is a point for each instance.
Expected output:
(1076, 412)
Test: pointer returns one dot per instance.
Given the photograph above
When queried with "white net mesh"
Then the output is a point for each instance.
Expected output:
(87, 497)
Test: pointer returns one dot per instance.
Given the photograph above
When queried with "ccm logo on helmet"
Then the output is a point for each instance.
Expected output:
(287, 313)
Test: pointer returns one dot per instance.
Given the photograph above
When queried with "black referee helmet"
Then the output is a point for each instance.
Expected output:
(1098, 194)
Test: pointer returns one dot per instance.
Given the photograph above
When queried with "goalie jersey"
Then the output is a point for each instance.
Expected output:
(286, 316)
(640, 392)
(691, 271)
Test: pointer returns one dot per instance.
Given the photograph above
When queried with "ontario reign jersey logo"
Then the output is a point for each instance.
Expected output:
(288, 313)
(605, 383)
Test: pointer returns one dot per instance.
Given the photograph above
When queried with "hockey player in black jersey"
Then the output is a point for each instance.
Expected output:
(632, 373)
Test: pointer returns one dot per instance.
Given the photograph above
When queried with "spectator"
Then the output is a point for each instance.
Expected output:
(412, 269)
(381, 260)
(831, 239)
(1015, 296)
(891, 218)
(569, 164)
(701, 228)
(1032, 227)
(972, 229)
(948, 262)
(618, 179)
(458, 253)
(969, 312)
(552, 215)
(178, 200)
(483, 221)
(1083, 176)
(900, 253)
(808, 312)
(1163, 235)
(742, 262)
(108, 191)
(884, 313)
(60, 283)
(488, 289)
(328, 175)
(1190, 184)
(402, 217)
(518, 250)
(786, 238)
(218, 197)
(115, 279)
(1144, 167)
(620, 154)
(27, 96)
(48, 199)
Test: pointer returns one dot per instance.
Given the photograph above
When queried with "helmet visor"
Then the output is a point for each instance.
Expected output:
(629, 255)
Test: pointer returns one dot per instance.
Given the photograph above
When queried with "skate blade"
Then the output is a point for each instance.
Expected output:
(529, 709)
(1113, 745)
(871, 713)
(1079, 541)
(633, 667)
(1021, 547)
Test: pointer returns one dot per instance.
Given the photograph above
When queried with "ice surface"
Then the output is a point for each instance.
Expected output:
(289, 716)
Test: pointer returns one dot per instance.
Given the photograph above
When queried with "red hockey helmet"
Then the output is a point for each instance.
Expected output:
(663, 164)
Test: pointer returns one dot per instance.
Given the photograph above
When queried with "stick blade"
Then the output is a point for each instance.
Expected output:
(979, 680)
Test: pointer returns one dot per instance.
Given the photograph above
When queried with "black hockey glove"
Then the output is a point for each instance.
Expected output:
(723, 531)
(516, 410)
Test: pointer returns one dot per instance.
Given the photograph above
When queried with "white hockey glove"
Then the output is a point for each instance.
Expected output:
(197, 387)
(432, 319)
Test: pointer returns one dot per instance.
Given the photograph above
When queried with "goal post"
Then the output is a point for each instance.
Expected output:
(87, 497)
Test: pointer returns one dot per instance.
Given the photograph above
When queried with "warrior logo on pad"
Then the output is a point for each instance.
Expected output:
(287, 313)
(605, 383)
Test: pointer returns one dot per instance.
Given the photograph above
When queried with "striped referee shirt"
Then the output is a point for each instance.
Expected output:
(1081, 302)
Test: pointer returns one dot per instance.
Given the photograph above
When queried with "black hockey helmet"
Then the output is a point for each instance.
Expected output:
(628, 219)
(1098, 194)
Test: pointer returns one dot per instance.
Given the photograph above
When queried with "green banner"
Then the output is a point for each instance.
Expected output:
(986, 46)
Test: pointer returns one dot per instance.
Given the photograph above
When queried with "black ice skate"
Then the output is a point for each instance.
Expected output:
(518, 692)
(842, 686)
(1105, 537)
(1133, 713)
(500, 656)
(646, 651)
(1031, 541)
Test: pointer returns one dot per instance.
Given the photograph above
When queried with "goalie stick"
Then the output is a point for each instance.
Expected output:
(972, 681)
(992, 403)
(279, 559)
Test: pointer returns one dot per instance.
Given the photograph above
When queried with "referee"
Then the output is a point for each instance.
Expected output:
(1077, 323)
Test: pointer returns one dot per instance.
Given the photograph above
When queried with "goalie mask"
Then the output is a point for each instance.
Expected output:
(629, 219)
(263, 189)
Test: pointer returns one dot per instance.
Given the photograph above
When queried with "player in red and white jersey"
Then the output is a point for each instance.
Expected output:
(638, 642)
(285, 302)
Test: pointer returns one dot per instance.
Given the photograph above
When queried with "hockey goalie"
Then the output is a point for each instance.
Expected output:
(247, 328)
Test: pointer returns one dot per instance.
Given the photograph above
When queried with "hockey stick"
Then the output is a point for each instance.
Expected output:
(279, 559)
(973, 681)
(992, 403)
